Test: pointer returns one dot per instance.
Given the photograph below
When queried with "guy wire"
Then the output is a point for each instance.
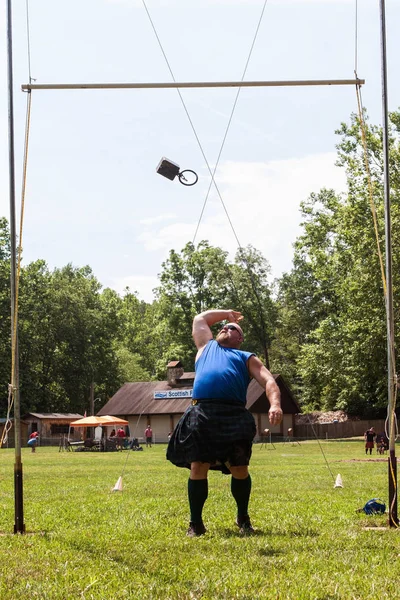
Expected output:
(356, 37)
(191, 122)
(28, 39)
(130, 449)
(212, 173)
(320, 447)
(228, 126)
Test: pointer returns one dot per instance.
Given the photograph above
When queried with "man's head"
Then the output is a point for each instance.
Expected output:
(230, 336)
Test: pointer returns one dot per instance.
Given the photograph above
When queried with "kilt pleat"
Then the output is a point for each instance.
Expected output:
(207, 431)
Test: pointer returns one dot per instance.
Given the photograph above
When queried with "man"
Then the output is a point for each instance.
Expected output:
(369, 437)
(33, 440)
(217, 431)
(148, 434)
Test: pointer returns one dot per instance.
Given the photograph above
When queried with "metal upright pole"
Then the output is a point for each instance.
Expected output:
(392, 463)
(19, 526)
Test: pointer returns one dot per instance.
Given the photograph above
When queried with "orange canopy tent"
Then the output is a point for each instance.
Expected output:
(94, 421)
(88, 422)
(108, 420)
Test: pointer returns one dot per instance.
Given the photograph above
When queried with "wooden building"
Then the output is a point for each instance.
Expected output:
(160, 404)
(51, 426)
(10, 438)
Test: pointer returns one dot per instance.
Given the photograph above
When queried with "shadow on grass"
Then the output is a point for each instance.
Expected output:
(25, 533)
(291, 533)
(231, 533)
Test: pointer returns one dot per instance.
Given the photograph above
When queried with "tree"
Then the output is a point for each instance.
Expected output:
(67, 327)
(333, 298)
(5, 314)
(202, 278)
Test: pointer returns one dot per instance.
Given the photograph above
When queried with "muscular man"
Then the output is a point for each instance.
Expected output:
(217, 431)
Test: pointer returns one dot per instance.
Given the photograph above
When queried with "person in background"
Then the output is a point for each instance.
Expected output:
(217, 431)
(33, 440)
(369, 437)
(148, 434)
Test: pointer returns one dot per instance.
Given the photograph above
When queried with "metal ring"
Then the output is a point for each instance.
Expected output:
(183, 179)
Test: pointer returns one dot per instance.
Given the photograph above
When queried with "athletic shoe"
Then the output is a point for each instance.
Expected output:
(196, 529)
(245, 527)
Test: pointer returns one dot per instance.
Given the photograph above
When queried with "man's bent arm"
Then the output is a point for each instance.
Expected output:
(267, 381)
(201, 331)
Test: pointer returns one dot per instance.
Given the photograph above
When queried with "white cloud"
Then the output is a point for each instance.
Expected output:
(263, 203)
(158, 219)
(143, 284)
(175, 236)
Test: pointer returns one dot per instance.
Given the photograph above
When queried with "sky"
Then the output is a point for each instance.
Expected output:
(93, 195)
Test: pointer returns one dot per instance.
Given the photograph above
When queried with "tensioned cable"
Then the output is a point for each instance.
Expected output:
(230, 120)
(391, 419)
(10, 402)
(189, 118)
(28, 40)
(320, 447)
(369, 179)
(202, 151)
(11, 390)
(356, 37)
(375, 221)
(130, 449)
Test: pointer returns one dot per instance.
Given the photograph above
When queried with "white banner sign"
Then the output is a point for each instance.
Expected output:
(173, 394)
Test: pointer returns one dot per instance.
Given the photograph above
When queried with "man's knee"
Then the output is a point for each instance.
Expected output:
(239, 472)
(199, 470)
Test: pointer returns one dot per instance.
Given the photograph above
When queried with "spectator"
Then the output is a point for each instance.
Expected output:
(369, 437)
(33, 440)
(148, 434)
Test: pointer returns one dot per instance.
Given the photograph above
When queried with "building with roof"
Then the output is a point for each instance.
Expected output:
(160, 404)
(9, 439)
(51, 426)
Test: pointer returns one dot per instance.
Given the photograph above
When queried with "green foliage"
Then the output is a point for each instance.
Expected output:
(5, 302)
(332, 322)
(130, 368)
(66, 330)
(322, 325)
(202, 278)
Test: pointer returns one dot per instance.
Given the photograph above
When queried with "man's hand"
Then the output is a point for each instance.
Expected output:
(234, 316)
(201, 324)
(275, 415)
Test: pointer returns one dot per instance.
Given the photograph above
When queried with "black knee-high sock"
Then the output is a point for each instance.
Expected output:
(241, 489)
(197, 493)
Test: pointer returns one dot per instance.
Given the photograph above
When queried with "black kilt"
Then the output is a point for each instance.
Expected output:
(210, 431)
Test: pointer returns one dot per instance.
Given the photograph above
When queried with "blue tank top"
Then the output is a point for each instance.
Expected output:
(222, 373)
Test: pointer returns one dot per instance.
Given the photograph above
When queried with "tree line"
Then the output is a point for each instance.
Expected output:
(322, 325)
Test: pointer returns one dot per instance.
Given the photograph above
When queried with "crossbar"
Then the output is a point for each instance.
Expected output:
(196, 84)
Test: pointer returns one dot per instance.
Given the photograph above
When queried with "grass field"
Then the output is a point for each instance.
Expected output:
(84, 541)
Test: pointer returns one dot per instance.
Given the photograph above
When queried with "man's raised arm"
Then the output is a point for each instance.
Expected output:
(201, 331)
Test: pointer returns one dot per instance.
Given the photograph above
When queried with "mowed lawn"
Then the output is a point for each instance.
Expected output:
(84, 541)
